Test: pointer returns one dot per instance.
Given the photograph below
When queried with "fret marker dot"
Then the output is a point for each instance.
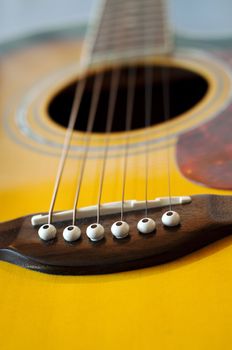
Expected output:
(47, 232)
(120, 229)
(146, 225)
(171, 218)
(71, 233)
(95, 232)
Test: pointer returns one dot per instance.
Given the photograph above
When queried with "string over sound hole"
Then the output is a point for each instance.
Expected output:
(186, 89)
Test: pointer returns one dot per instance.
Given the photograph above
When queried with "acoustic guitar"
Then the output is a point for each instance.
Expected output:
(116, 181)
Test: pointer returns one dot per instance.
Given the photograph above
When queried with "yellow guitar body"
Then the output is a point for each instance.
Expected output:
(185, 304)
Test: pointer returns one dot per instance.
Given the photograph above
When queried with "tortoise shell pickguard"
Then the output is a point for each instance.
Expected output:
(204, 154)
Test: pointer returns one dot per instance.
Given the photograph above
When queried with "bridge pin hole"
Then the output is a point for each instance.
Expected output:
(119, 223)
(145, 220)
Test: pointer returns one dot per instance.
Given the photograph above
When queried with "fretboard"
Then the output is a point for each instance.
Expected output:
(128, 29)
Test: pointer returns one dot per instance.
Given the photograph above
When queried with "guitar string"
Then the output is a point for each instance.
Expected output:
(148, 79)
(166, 105)
(115, 75)
(91, 118)
(148, 110)
(128, 123)
(66, 145)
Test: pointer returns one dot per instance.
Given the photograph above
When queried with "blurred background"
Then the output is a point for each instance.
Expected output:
(190, 18)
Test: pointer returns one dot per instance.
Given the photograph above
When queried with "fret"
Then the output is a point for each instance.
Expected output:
(109, 24)
(127, 26)
(131, 9)
(134, 4)
(150, 35)
(107, 44)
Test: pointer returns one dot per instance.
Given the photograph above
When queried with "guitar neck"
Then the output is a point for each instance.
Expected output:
(129, 29)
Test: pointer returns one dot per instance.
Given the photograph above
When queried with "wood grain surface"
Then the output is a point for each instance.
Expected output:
(206, 219)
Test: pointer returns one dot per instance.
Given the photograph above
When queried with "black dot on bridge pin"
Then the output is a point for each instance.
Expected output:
(145, 220)
(119, 223)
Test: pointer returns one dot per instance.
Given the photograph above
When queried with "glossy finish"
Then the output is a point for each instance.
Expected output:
(182, 305)
(194, 147)
(20, 244)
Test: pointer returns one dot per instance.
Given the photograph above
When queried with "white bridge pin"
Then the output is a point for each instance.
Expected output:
(120, 229)
(171, 218)
(71, 233)
(146, 225)
(95, 232)
(47, 232)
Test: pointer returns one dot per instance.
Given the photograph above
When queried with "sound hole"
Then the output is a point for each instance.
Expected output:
(186, 89)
